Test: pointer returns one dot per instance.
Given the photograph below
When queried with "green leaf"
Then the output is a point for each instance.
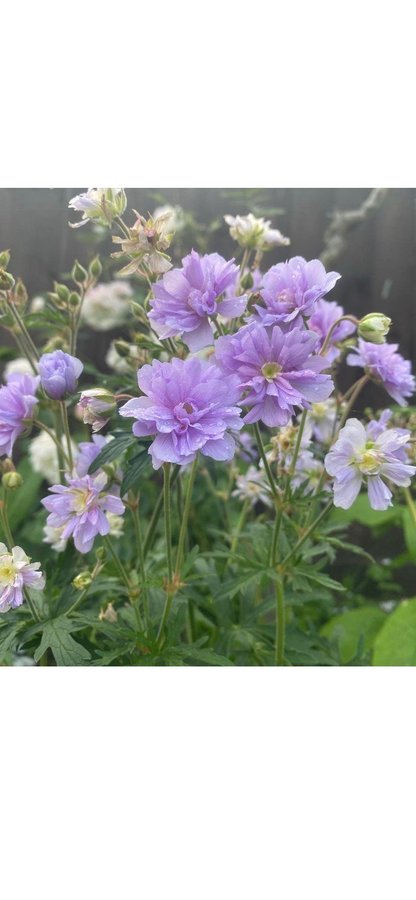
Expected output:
(112, 451)
(66, 651)
(409, 533)
(362, 512)
(134, 471)
(347, 629)
(23, 501)
(319, 578)
(395, 644)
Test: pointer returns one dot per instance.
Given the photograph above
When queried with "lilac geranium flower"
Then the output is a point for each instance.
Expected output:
(17, 405)
(88, 452)
(358, 455)
(386, 367)
(190, 406)
(291, 289)
(80, 508)
(184, 299)
(59, 373)
(278, 371)
(324, 316)
(16, 573)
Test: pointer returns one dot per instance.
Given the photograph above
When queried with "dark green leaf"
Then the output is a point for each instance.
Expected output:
(56, 636)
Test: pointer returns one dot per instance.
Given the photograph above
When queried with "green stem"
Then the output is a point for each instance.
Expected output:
(168, 543)
(53, 437)
(410, 505)
(280, 624)
(119, 566)
(65, 424)
(185, 517)
(156, 515)
(267, 468)
(357, 390)
(306, 534)
(139, 542)
(332, 329)
(240, 523)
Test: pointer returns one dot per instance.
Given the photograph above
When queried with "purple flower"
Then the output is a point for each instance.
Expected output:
(88, 452)
(96, 407)
(80, 508)
(185, 298)
(17, 404)
(189, 406)
(59, 373)
(291, 289)
(16, 573)
(386, 367)
(277, 370)
(324, 316)
(358, 455)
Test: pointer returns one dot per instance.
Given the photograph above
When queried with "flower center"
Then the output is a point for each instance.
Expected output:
(319, 410)
(182, 412)
(204, 303)
(7, 571)
(270, 370)
(369, 461)
(82, 499)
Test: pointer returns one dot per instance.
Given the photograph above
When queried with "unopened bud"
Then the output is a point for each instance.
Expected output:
(247, 281)
(83, 580)
(62, 291)
(11, 480)
(74, 300)
(374, 327)
(79, 274)
(7, 465)
(4, 259)
(95, 268)
(20, 293)
(6, 280)
(122, 347)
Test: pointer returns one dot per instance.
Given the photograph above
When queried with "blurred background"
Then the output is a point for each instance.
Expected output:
(368, 236)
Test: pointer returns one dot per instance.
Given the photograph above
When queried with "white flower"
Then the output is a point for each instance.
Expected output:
(107, 306)
(255, 233)
(252, 486)
(18, 366)
(54, 537)
(101, 205)
(37, 304)
(320, 419)
(43, 455)
(123, 364)
(176, 218)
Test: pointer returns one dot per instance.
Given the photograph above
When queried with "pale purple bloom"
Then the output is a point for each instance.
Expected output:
(321, 420)
(17, 404)
(184, 299)
(81, 507)
(386, 367)
(16, 573)
(99, 204)
(277, 371)
(324, 316)
(357, 455)
(190, 406)
(59, 373)
(88, 452)
(252, 486)
(291, 289)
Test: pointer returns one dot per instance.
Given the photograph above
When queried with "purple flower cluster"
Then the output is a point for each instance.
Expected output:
(17, 405)
(365, 453)
(190, 406)
(185, 299)
(385, 366)
(291, 289)
(59, 373)
(79, 508)
(276, 371)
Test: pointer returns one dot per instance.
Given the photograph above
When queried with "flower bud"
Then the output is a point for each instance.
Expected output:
(96, 405)
(20, 293)
(374, 327)
(7, 465)
(108, 614)
(79, 274)
(4, 259)
(11, 480)
(247, 281)
(6, 280)
(82, 581)
(122, 347)
(74, 300)
(95, 268)
(62, 291)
